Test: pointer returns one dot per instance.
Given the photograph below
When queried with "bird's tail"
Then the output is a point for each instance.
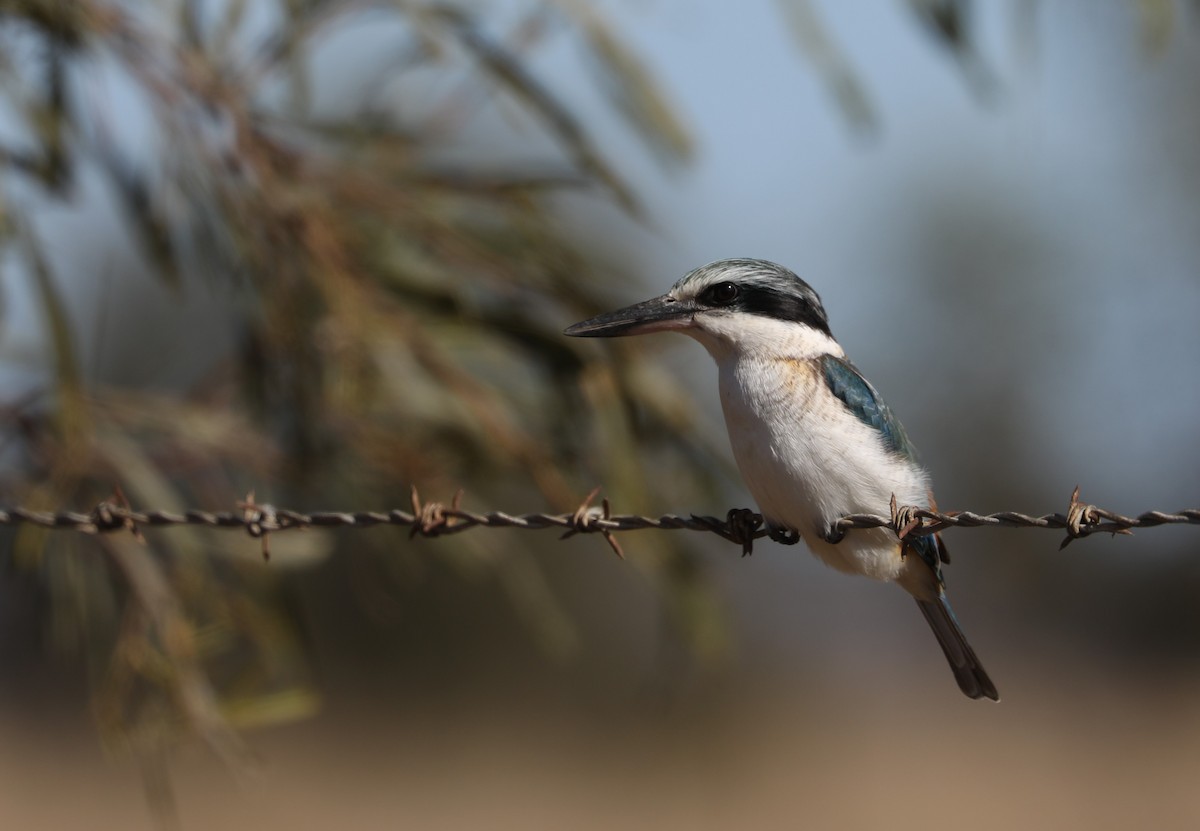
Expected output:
(972, 678)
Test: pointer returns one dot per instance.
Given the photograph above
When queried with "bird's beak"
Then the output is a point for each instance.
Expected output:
(657, 315)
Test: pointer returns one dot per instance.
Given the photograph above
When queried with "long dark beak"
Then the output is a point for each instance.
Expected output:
(657, 315)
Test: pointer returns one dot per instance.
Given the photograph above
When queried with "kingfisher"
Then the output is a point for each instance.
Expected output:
(812, 438)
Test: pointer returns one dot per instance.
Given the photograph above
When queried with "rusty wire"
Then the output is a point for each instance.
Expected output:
(433, 519)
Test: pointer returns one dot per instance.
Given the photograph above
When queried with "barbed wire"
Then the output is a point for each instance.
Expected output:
(434, 519)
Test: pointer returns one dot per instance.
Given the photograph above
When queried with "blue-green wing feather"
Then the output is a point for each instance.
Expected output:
(930, 549)
(860, 398)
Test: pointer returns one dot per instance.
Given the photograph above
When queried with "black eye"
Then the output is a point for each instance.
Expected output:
(722, 294)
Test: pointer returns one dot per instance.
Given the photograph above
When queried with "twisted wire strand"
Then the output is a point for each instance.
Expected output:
(431, 519)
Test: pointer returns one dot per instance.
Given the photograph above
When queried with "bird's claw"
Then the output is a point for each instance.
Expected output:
(782, 535)
(833, 534)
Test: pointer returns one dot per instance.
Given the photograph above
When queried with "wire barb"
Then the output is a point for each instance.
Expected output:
(260, 520)
(432, 518)
(1080, 516)
(584, 521)
(113, 515)
(905, 519)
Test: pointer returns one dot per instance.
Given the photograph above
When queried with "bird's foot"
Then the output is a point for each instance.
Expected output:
(833, 534)
(782, 535)
(741, 526)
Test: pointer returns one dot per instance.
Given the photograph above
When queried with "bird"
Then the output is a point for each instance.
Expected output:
(812, 438)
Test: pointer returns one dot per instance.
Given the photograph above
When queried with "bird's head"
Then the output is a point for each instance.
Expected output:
(733, 307)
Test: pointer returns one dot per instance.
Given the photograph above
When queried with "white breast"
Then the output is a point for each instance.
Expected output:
(808, 461)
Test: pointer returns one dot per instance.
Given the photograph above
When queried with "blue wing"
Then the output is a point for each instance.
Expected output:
(931, 550)
(860, 398)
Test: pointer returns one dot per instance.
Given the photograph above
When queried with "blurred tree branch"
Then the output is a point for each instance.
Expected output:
(397, 320)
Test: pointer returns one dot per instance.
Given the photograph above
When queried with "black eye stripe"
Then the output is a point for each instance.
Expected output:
(780, 305)
(765, 301)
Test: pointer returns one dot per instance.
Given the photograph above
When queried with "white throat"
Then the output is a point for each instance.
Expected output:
(732, 336)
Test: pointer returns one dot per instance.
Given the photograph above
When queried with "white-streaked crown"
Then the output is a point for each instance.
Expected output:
(776, 313)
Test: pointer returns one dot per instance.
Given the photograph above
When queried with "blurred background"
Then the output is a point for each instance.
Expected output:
(324, 250)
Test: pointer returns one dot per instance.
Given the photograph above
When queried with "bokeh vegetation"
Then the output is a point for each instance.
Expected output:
(384, 318)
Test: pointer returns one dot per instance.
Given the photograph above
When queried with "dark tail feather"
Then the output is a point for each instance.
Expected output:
(972, 678)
